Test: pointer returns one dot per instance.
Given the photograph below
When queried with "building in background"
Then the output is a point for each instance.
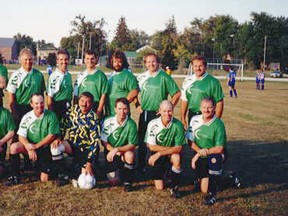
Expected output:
(8, 49)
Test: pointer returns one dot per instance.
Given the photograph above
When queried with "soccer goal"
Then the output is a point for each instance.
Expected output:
(219, 65)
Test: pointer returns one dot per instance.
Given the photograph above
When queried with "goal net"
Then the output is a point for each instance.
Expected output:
(216, 65)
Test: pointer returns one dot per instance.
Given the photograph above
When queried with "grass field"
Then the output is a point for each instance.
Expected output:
(257, 129)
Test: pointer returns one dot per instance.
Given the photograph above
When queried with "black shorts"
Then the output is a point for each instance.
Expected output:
(160, 167)
(44, 160)
(80, 157)
(60, 108)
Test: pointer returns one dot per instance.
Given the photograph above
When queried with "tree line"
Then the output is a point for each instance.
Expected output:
(214, 37)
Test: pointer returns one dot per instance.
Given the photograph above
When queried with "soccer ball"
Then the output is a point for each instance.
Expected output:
(86, 181)
(57, 153)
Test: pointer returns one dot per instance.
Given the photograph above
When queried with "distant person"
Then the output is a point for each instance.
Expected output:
(60, 88)
(231, 81)
(168, 70)
(119, 137)
(121, 83)
(257, 79)
(207, 137)
(49, 69)
(155, 86)
(92, 80)
(38, 129)
(6, 134)
(3, 81)
(198, 86)
(262, 79)
(165, 138)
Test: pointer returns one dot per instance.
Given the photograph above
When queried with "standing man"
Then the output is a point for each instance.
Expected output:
(165, 138)
(122, 83)
(38, 129)
(92, 80)
(119, 137)
(22, 84)
(155, 86)
(7, 126)
(60, 88)
(83, 128)
(207, 137)
(198, 86)
(231, 81)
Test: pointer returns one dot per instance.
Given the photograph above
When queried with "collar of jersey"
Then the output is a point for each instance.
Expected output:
(25, 71)
(60, 72)
(209, 122)
(123, 124)
(202, 77)
(154, 74)
(168, 126)
(93, 72)
(40, 117)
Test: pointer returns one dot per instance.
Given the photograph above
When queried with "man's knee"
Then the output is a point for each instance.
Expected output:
(17, 148)
(129, 157)
(175, 160)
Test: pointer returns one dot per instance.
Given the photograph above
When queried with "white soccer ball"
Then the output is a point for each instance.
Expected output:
(86, 181)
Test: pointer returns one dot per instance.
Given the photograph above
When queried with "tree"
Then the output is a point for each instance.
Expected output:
(165, 42)
(91, 32)
(72, 45)
(25, 41)
(122, 39)
(51, 59)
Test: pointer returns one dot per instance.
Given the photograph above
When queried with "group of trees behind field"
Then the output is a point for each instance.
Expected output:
(213, 37)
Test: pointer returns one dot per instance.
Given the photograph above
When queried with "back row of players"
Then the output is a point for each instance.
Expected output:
(38, 129)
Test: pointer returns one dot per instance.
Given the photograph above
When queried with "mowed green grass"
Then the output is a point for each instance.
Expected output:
(257, 130)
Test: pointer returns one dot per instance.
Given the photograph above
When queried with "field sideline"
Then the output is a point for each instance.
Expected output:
(257, 129)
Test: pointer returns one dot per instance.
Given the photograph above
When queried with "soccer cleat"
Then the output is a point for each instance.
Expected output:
(175, 192)
(62, 180)
(127, 187)
(13, 180)
(210, 199)
(237, 181)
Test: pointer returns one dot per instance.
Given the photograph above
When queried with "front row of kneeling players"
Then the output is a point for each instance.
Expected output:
(165, 137)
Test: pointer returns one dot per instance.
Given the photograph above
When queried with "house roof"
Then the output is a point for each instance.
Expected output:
(6, 42)
(47, 47)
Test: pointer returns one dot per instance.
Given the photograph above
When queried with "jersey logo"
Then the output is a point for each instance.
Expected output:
(31, 129)
(115, 135)
(160, 138)
(144, 85)
(83, 82)
(26, 83)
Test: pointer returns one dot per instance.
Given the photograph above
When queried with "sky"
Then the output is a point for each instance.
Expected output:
(50, 20)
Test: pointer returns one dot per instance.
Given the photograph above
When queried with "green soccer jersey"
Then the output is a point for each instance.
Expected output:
(170, 136)
(36, 129)
(24, 84)
(207, 135)
(4, 72)
(194, 90)
(155, 89)
(119, 85)
(6, 122)
(60, 86)
(95, 83)
(119, 135)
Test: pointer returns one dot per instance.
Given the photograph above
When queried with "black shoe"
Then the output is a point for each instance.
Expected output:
(237, 181)
(210, 200)
(13, 180)
(175, 192)
(127, 187)
(62, 180)
(196, 184)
